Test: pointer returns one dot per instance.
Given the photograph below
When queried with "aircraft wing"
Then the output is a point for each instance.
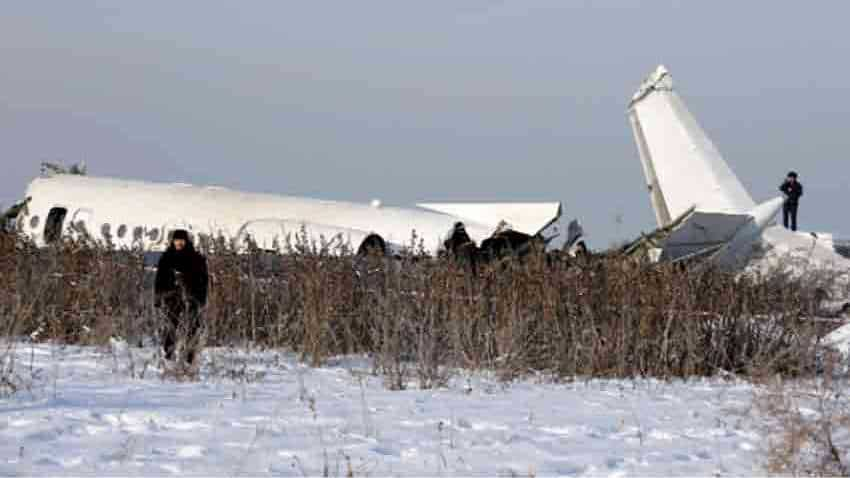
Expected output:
(683, 168)
(527, 218)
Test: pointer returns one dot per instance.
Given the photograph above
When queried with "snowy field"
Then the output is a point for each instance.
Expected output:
(90, 411)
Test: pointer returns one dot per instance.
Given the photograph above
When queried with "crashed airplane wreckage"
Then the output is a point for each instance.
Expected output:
(702, 209)
(129, 213)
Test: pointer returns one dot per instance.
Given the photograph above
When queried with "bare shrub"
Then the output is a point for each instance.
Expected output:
(420, 317)
(807, 423)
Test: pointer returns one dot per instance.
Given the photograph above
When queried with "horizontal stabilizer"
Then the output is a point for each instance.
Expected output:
(730, 236)
(527, 218)
(700, 231)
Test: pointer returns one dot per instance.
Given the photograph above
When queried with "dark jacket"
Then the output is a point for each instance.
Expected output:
(192, 269)
(792, 191)
(458, 239)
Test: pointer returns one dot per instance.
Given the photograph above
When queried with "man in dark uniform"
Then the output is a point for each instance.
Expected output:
(793, 190)
(180, 291)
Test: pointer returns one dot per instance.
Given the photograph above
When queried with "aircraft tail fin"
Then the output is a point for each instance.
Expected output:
(683, 168)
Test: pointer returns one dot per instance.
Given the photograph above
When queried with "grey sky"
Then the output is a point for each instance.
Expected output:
(425, 101)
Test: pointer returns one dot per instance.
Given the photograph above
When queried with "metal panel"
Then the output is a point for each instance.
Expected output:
(689, 169)
(527, 218)
(214, 211)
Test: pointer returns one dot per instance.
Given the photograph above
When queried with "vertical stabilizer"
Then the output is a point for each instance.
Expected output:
(656, 196)
(683, 168)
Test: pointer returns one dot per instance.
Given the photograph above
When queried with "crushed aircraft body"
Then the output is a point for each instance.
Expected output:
(129, 213)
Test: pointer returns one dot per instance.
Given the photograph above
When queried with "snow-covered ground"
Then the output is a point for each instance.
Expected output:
(88, 411)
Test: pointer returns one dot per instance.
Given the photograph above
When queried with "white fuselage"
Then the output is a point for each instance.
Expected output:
(136, 213)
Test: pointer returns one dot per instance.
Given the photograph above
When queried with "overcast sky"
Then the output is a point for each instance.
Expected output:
(413, 101)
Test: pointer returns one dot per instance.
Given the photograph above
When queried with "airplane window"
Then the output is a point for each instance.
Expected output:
(122, 230)
(34, 222)
(138, 233)
(153, 234)
(106, 230)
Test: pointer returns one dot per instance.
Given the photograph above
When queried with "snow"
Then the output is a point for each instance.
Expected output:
(839, 339)
(802, 252)
(101, 410)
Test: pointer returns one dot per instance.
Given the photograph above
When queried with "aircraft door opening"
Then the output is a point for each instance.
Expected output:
(53, 224)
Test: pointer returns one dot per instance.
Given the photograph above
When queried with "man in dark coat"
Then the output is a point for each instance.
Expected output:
(180, 293)
(793, 190)
(460, 246)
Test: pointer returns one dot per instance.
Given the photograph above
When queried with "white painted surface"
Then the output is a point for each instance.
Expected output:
(689, 169)
(522, 217)
(160, 207)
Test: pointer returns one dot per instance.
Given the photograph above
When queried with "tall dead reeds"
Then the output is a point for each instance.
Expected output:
(605, 316)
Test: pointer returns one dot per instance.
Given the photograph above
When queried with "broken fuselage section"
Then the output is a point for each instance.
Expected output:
(131, 214)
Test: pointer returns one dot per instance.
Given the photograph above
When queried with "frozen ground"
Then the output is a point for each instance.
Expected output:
(88, 412)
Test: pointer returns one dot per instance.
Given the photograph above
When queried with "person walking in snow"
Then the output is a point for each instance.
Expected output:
(793, 190)
(180, 291)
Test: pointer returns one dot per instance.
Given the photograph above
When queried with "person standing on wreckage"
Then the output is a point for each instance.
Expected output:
(793, 190)
(180, 291)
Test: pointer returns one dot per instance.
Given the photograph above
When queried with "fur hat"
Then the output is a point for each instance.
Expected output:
(180, 234)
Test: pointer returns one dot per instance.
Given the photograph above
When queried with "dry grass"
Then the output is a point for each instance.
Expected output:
(421, 317)
(807, 423)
